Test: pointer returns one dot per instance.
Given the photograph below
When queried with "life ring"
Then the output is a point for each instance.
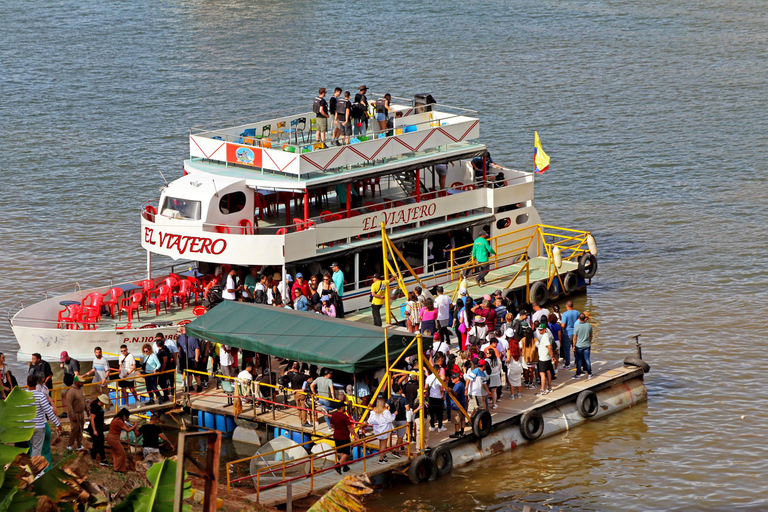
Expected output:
(538, 293)
(481, 424)
(443, 459)
(422, 469)
(587, 403)
(636, 361)
(532, 425)
(587, 266)
(570, 283)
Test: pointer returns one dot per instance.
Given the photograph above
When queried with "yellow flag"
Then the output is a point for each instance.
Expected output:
(540, 158)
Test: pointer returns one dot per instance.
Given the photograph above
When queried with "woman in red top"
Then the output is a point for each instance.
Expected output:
(113, 439)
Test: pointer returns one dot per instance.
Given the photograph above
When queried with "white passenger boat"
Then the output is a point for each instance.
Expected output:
(264, 192)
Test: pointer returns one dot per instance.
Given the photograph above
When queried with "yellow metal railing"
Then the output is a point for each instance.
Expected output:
(519, 246)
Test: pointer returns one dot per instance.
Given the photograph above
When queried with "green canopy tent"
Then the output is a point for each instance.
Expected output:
(302, 336)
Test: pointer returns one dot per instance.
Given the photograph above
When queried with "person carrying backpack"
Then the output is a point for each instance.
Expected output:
(320, 108)
(398, 405)
(360, 112)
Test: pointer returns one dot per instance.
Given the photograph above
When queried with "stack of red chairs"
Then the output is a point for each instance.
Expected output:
(69, 316)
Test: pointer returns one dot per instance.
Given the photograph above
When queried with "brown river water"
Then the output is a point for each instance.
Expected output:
(654, 114)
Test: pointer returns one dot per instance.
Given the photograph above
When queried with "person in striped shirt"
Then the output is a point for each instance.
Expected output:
(44, 410)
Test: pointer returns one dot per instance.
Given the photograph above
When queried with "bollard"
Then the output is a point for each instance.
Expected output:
(289, 497)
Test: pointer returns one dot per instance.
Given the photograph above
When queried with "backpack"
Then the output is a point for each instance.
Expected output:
(341, 107)
(358, 110)
(316, 103)
(260, 297)
(214, 296)
(396, 407)
(381, 105)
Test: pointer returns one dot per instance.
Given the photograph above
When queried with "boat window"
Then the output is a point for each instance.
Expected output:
(503, 223)
(179, 208)
(232, 203)
(521, 219)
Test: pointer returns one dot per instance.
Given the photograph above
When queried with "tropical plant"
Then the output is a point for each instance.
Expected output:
(16, 411)
(159, 497)
(344, 496)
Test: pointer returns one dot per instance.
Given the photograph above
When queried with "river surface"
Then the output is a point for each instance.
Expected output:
(654, 114)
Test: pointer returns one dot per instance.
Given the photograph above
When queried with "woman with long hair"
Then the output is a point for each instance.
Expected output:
(494, 375)
(514, 369)
(382, 420)
(412, 317)
(428, 317)
(118, 424)
(530, 357)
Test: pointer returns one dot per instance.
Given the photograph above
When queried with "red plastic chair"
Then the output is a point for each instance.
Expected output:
(162, 295)
(172, 281)
(281, 231)
(93, 301)
(457, 184)
(222, 229)
(337, 216)
(298, 224)
(471, 186)
(69, 316)
(398, 203)
(197, 287)
(115, 295)
(376, 183)
(149, 213)
(246, 226)
(89, 317)
(129, 305)
(442, 193)
(182, 296)
(326, 215)
(213, 282)
(262, 204)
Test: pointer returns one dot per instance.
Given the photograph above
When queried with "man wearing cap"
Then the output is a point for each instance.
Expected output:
(360, 112)
(379, 289)
(74, 401)
(481, 253)
(97, 428)
(71, 368)
(338, 280)
(545, 351)
(300, 284)
(343, 433)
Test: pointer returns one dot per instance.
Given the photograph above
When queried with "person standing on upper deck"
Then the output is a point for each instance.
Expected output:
(360, 112)
(383, 108)
(338, 280)
(320, 108)
(481, 253)
(332, 111)
(378, 294)
(344, 118)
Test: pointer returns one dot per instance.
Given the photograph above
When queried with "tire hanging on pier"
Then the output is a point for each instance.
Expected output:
(570, 282)
(422, 469)
(443, 459)
(481, 424)
(532, 425)
(538, 293)
(587, 266)
(587, 403)
(636, 361)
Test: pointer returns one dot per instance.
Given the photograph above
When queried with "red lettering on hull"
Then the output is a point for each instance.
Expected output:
(185, 244)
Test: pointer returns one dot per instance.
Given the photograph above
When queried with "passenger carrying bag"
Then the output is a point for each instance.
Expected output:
(316, 105)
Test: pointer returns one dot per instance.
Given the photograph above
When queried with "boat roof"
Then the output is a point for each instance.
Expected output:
(299, 336)
(279, 148)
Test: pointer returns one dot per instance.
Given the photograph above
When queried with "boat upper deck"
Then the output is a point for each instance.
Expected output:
(284, 145)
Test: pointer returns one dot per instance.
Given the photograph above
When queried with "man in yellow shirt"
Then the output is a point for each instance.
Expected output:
(378, 290)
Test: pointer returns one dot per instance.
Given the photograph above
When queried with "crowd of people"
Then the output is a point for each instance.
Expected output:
(351, 116)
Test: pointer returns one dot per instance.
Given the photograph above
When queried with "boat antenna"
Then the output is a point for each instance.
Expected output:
(215, 189)
(163, 176)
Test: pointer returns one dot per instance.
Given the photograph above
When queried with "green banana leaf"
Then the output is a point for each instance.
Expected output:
(13, 499)
(159, 497)
(16, 411)
(52, 483)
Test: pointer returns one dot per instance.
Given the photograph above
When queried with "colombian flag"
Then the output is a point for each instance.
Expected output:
(540, 158)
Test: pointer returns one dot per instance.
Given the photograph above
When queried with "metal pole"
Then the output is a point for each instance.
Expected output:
(384, 243)
(421, 393)
(149, 265)
(386, 357)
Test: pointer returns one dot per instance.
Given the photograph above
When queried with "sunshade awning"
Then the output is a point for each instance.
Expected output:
(307, 337)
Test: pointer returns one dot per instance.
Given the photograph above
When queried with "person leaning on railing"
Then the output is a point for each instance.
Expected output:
(150, 364)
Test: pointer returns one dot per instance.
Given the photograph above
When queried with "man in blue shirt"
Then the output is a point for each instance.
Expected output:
(338, 280)
(568, 322)
(582, 337)
(453, 411)
(189, 357)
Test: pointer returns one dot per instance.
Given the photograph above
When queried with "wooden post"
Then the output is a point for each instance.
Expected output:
(210, 469)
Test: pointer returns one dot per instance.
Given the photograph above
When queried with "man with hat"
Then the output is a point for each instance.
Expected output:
(97, 428)
(360, 112)
(74, 401)
(546, 352)
(338, 280)
(300, 284)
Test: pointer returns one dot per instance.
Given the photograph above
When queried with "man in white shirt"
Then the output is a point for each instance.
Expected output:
(100, 371)
(546, 351)
(538, 313)
(226, 361)
(127, 366)
(284, 287)
(244, 379)
(436, 403)
(443, 305)
(232, 286)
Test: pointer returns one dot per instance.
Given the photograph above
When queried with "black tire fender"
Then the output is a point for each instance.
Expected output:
(532, 425)
(587, 266)
(570, 282)
(587, 403)
(422, 469)
(538, 293)
(443, 459)
(481, 423)
(636, 361)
